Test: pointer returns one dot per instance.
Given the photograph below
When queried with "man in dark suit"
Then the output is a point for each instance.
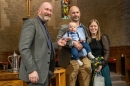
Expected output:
(36, 49)
(72, 67)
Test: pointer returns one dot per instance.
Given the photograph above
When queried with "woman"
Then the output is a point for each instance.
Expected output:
(100, 47)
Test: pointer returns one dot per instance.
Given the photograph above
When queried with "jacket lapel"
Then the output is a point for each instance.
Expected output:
(44, 32)
(85, 32)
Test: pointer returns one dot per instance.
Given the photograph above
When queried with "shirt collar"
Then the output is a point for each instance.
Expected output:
(41, 20)
(80, 25)
(72, 32)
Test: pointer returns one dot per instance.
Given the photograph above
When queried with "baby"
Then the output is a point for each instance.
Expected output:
(73, 35)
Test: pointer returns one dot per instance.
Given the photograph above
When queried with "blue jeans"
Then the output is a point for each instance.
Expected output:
(75, 51)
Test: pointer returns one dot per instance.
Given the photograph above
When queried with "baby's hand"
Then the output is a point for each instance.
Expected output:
(68, 38)
(82, 40)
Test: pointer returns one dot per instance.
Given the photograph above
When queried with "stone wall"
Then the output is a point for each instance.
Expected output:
(113, 15)
(14, 11)
(11, 14)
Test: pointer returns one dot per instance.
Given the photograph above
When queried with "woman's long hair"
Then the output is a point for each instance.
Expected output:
(98, 35)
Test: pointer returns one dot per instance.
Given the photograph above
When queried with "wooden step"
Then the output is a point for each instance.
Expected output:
(118, 83)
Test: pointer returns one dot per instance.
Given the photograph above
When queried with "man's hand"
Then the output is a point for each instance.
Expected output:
(78, 45)
(61, 42)
(33, 77)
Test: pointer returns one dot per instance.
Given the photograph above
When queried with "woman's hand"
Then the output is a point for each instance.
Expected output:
(98, 69)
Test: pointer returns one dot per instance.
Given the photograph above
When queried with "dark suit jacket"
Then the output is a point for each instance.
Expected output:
(65, 53)
(34, 51)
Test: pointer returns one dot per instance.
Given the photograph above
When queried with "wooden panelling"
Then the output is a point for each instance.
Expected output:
(128, 52)
(116, 53)
(10, 79)
(127, 62)
(11, 83)
(113, 52)
(4, 56)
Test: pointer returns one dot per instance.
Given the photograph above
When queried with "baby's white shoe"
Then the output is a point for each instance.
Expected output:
(80, 63)
(90, 55)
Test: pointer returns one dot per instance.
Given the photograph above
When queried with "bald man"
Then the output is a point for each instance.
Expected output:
(65, 60)
(36, 49)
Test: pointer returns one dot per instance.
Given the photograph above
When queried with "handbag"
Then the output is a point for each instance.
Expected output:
(98, 80)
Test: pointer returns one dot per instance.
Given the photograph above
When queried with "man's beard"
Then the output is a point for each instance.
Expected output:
(46, 18)
(76, 19)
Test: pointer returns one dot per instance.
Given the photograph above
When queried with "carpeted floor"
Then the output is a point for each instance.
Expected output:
(116, 80)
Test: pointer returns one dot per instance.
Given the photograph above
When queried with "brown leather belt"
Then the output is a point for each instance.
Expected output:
(79, 57)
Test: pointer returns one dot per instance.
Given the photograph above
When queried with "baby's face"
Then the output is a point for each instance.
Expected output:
(72, 27)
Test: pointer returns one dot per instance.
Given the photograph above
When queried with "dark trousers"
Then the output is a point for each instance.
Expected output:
(75, 52)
